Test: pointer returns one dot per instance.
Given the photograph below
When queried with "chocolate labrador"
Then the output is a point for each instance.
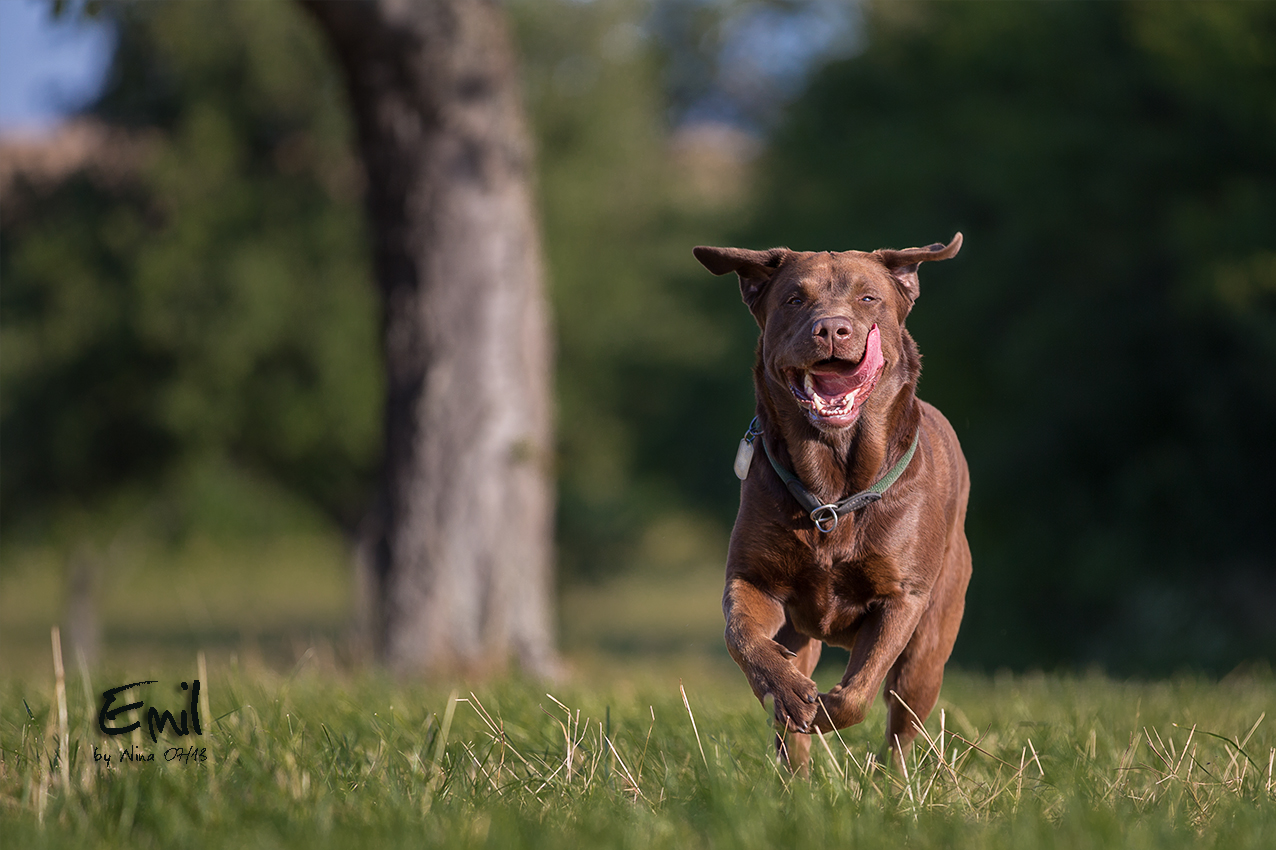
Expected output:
(851, 521)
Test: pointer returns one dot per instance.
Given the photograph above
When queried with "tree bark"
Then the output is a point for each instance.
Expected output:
(461, 536)
(83, 626)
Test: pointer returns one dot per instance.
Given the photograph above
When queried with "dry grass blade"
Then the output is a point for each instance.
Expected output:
(478, 765)
(1124, 766)
(936, 749)
(1253, 729)
(497, 730)
(687, 703)
(444, 730)
(1037, 759)
(908, 785)
(64, 729)
(832, 758)
(976, 748)
(1239, 747)
(1023, 754)
(1162, 752)
(646, 742)
(570, 756)
(862, 768)
(1186, 745)
(633, 783)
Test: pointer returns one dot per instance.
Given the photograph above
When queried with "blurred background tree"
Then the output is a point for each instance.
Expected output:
(190, 342)
(193, 304)
(200, 336)
(457, 549)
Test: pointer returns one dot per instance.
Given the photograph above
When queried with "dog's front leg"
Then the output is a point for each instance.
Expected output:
(881, 638)
(754, 617)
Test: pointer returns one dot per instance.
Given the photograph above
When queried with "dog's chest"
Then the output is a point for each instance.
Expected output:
(830, 598)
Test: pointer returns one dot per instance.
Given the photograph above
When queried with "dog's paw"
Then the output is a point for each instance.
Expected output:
(838, 709)
(795, 704)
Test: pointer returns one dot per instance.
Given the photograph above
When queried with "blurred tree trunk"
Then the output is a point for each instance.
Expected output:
(460, 546)
(83, 626)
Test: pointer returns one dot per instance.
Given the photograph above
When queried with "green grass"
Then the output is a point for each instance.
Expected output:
(269, 598)
(303, 752)
(315, 757)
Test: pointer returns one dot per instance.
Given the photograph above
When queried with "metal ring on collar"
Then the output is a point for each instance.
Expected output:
(825, 518)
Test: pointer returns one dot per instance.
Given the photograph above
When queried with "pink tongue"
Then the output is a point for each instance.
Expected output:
(832, 382)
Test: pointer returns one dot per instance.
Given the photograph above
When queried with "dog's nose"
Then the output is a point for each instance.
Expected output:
(832, 328)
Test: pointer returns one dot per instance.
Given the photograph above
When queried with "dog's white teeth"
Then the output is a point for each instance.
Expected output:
(809, 385)
(850, 398)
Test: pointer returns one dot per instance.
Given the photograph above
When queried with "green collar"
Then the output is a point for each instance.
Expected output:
(826, 516)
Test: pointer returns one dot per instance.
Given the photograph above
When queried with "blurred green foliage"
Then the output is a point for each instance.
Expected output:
(652, 364)
(1106, 343)
(197, 344)
(237, 369)
(192, 336)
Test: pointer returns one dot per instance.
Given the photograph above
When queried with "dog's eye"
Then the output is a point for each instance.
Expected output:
(794, 301)
(868, 299)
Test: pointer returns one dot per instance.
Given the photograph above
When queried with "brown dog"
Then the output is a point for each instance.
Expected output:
(884, 573)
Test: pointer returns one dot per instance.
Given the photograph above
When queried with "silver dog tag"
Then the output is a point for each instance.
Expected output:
(743, 459)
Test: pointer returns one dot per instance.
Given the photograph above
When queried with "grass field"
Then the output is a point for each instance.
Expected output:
(317, 758)
(654, 741)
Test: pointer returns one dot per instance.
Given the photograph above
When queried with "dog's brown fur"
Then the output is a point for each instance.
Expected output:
(889, 583)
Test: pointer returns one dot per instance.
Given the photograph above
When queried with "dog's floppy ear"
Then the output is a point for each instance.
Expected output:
(903, 264)
(755, 268)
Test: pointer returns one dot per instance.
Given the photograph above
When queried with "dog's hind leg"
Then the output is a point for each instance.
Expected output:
(794, 748)
(916, 677)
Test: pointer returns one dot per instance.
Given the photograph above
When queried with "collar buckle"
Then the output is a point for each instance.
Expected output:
(825, 518)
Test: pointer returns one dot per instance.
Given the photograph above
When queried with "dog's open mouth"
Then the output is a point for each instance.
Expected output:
(833, 390)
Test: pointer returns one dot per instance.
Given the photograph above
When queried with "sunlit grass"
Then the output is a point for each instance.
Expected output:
(315, 755)
(302, 751)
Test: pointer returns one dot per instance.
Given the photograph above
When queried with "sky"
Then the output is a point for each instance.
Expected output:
(48, 67)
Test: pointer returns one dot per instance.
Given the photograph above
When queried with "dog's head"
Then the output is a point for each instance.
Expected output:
(832, 323)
